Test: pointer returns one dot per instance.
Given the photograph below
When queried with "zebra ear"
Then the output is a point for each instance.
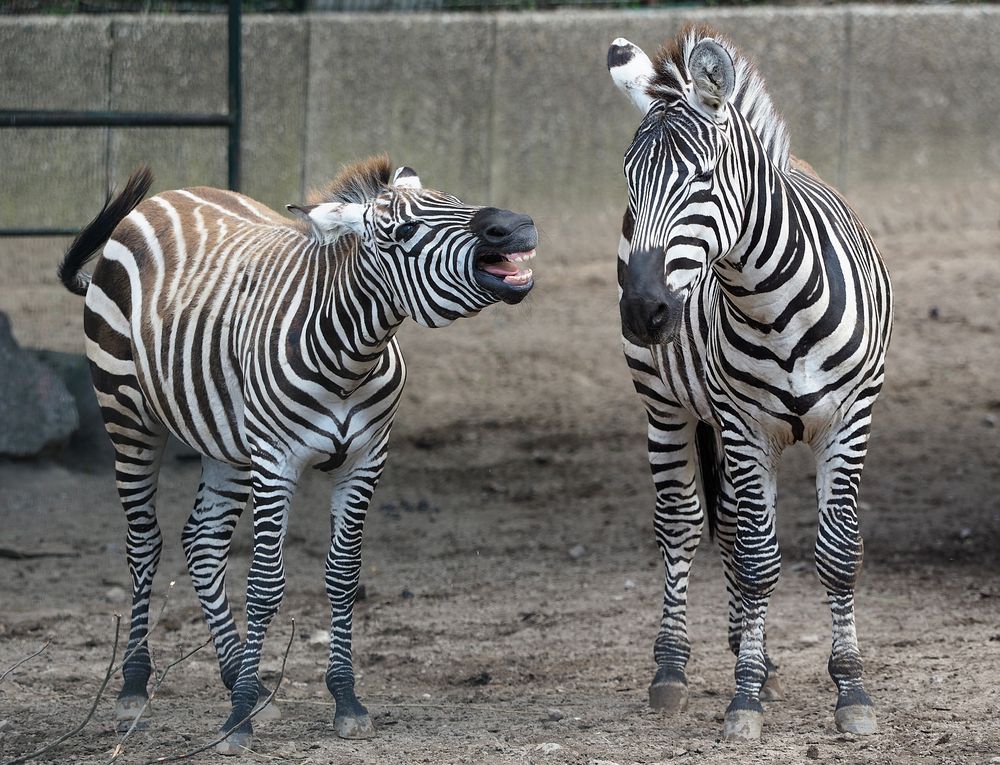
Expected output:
(631, 71)
(714, 77)
(406, 178)
(331, 220)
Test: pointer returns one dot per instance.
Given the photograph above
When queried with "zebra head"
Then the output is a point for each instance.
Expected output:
(437, 258)
(672, 233)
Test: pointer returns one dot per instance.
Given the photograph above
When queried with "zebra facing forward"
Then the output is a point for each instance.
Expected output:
(755, 312)
(269, 346)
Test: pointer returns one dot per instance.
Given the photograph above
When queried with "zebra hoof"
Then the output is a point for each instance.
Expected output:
(773, 689)
(857, 719)
(359, 727)
(670, 697)
(742, 725)
(128, 708)
(237, 742)
(268, 713)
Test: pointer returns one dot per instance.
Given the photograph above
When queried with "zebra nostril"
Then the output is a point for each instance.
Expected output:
(496, 232)
(659, 318)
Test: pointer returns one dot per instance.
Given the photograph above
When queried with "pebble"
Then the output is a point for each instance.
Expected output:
(578, 551)
(990, 421)
(425, 695)
(319, 637)
(809, 639)
(555, 715)
(812, 752)
(549, 748)
(115, 595)
(629, 584)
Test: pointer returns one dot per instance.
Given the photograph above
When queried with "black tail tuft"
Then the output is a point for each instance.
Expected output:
(99, 230)
(711, 479)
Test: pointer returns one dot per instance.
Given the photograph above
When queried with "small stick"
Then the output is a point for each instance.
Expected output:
(149, 631)
(119, 749)
(222, 737)
(25, 659)
(93, 707)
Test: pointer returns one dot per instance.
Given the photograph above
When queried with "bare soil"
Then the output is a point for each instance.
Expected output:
(481, 639)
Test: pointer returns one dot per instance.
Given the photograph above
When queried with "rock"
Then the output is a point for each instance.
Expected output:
(115, 595)
(406, 595)
(483, 678)
(555, 715)
(578, 551)
(990, 421)
(812, 752)
(37, 413)
(809, 639)
(629, 584)
(549, 747)
(319, 637)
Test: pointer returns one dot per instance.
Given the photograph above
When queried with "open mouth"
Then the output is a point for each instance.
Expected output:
(504, 269)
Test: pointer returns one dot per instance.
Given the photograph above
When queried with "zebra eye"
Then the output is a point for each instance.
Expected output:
(406, 230)
(704, 177)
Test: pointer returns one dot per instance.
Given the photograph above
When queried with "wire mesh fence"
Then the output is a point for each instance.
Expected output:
(64, 7)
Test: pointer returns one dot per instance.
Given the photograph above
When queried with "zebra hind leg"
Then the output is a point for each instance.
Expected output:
(137, 464)
(839, 551)
(222, 497)
(756, 563)
(272, 486)
(725, 533)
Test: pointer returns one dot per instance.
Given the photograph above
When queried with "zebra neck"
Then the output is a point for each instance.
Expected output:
(356, 319)
(773, 261)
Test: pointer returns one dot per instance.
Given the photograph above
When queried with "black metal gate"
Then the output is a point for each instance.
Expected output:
(231, 120)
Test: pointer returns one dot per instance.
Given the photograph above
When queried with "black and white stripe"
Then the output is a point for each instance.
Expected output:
(269, 346)
(756, 312)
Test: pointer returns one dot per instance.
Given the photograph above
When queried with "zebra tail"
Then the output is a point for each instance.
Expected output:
(99, 230)
(711, 478)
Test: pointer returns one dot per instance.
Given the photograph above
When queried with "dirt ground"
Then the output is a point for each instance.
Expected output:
(481, 639)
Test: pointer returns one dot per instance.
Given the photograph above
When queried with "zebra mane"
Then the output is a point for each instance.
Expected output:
(357, 182)
(750, 95)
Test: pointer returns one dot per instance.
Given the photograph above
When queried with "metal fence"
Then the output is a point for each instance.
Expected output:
(353, 6)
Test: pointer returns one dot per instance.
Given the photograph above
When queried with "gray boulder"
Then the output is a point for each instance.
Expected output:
(37, 412)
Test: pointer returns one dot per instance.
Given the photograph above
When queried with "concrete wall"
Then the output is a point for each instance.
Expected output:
(897, 106)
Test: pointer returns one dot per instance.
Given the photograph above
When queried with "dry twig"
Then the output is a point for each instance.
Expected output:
(93, 707)
(119, 749)
(222, 736)
(24, 660)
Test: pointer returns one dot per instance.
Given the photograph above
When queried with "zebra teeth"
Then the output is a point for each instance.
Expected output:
(518, 257)
(520, 278)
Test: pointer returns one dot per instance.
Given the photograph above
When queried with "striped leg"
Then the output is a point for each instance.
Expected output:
(137, 465)
(222, 497)
(725, 531)
(677, 523)
(348, 508)
(272, 490)
(839, 551)
(756, 564)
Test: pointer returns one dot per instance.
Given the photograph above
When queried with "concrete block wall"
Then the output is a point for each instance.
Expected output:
(897, 106)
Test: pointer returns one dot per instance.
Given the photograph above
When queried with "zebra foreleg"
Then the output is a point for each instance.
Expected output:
(137, 465)
(272, 488)
(348, 508)
(839, 551)
(725, 535)
(222, 497)
(677, 524)
(756, 563)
